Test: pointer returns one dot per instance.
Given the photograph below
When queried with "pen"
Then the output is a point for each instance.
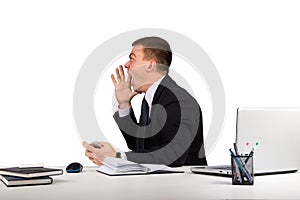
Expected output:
(238, 174)
(246, 148)
(237, 152)
(238, 171)
(242, 168)
(251, 152)
(236, 149)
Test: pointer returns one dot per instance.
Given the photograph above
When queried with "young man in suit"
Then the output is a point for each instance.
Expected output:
(170, 128)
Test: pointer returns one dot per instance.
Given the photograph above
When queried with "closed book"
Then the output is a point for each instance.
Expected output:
(30, 172)
(11, 181)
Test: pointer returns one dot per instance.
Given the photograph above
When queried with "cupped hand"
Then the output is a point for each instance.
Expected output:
(123, 90)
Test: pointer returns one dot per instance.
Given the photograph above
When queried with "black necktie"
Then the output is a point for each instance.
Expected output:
(144, 118)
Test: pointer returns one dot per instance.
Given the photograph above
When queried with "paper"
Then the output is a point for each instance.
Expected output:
(122, 165)
(26, 165)
(117, 166)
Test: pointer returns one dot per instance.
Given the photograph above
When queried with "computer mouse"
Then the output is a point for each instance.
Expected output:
(74, 167)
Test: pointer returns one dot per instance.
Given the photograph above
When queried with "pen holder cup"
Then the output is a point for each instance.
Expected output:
(242, 170)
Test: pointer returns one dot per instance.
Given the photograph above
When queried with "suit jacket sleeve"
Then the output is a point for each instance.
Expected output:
(128, 126)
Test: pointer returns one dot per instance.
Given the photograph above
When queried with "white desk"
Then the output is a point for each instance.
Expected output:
(93, 185)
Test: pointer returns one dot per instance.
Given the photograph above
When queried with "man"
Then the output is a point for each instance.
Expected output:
(170, 127)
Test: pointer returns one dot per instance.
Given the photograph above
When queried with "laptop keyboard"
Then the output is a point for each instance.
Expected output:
(225, 167)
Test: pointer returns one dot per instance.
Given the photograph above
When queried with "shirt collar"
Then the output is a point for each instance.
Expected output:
(151, 91)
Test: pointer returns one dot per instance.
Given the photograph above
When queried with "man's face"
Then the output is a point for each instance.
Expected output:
(136, 67)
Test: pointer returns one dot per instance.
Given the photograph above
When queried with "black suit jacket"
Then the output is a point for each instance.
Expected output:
(175, 134)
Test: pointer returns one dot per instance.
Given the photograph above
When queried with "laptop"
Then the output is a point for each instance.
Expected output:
(277, 130)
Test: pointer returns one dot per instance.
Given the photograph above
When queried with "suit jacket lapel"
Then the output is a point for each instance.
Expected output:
(166, 82)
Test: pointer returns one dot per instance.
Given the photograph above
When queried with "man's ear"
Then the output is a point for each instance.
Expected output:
(152, 66)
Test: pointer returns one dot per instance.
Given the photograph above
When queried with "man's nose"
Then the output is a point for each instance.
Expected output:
(127, 65)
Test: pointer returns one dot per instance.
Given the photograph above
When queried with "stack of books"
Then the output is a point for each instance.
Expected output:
(23, 176)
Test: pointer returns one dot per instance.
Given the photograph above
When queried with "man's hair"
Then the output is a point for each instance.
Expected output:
(158, 49)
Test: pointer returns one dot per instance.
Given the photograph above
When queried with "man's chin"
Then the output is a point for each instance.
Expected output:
(137, 89)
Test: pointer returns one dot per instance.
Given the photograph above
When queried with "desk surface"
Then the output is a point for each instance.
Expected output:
(93, 185)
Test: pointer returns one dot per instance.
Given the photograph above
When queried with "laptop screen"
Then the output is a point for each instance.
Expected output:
(277, 130)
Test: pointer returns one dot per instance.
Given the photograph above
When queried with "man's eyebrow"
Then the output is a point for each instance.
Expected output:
(131, 55)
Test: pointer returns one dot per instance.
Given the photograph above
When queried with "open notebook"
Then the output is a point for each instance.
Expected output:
(278, 132)
(118, 167)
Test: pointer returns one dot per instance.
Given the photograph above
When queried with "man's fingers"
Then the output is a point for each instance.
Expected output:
(89, 154)
(104, 143)
(88, 147)
(118, 74)
(121, 72)
(97, 162)
(113, 79)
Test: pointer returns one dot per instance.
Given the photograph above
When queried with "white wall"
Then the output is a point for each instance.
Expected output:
(255, 46)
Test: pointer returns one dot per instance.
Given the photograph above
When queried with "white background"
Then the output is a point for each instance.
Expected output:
(255, 46)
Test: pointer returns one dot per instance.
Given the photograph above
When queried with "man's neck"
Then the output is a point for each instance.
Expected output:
(149, 94)
(153, 80)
